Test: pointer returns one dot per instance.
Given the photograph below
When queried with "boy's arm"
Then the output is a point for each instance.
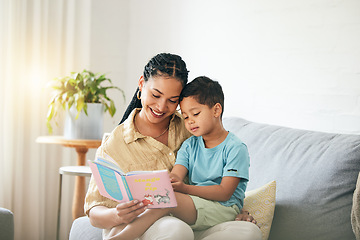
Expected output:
(221, 192)
(178, 172)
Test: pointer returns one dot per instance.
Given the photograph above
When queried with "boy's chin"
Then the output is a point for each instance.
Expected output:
(197, 134)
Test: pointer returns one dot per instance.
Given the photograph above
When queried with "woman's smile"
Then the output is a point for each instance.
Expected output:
(156, 114)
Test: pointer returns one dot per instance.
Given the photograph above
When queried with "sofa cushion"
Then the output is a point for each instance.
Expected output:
(315, 174)
(260, 203)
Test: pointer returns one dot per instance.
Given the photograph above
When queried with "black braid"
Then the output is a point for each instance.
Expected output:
(169, 64)
(162, 64)
(135, 103)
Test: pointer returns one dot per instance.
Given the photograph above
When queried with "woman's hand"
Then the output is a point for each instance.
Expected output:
(127, 212)
(245, 216)
(104, 217)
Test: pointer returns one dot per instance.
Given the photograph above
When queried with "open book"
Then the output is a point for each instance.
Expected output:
(153, 188)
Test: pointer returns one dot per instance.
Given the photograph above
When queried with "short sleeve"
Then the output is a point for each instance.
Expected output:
(237, 162)
(183, 155)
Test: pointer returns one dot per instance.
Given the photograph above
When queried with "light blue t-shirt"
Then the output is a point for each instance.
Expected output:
(207, 166)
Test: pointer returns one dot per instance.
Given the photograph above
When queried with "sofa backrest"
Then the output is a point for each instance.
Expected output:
(315, 174)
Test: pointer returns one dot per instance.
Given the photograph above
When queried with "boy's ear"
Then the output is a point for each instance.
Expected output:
(217, 110)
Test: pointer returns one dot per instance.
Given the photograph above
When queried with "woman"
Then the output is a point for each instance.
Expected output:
(148, 138)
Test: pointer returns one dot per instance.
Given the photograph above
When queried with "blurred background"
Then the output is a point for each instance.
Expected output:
(290, 63)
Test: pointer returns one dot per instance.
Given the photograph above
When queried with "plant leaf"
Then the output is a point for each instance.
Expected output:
(112, 108)
(79, 105)
(50, 113)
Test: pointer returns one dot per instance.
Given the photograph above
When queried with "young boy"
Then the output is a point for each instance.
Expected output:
(215, 161)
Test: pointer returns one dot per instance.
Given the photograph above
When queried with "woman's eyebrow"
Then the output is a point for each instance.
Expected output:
(155, 89)
(158, 91)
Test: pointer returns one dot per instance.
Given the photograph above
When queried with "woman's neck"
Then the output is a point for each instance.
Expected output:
(147, 128)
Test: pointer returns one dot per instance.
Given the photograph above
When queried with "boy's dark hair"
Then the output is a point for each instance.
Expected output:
(163, 64)
(205, 91)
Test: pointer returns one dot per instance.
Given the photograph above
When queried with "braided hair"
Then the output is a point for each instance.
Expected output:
(163, 64)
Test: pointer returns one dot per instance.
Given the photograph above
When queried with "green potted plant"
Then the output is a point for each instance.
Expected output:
(75, 94)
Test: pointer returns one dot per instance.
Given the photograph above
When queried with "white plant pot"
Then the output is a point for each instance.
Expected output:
(86, 126)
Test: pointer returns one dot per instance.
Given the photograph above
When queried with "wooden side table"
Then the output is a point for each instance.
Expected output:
(81, 146)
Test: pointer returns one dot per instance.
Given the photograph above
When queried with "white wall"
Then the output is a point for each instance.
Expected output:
(292, 63)
(108, 54)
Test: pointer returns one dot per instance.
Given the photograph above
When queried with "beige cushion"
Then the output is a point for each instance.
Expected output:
(355, 211)
(260, 203)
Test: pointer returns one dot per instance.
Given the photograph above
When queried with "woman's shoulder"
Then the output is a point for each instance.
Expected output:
(177, 118)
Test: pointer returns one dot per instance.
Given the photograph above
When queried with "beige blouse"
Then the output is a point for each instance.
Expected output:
(134, 151)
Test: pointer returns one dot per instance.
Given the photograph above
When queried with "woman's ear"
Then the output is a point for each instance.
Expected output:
(141, 83)
(217, 110)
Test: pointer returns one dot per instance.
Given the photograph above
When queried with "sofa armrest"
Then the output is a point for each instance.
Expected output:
(6, 224)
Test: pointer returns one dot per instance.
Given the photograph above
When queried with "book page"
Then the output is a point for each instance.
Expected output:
(154, 189)
(109, 183)
(109, 163)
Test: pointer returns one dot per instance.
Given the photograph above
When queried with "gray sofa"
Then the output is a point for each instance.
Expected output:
(6, 224)
(315, 173)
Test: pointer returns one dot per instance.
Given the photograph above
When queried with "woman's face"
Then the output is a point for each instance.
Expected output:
(159, 97)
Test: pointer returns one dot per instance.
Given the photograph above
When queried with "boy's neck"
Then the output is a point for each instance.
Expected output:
(217, 136)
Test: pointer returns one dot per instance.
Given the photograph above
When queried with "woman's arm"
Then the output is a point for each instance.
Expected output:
(221, 192)
(104, 217)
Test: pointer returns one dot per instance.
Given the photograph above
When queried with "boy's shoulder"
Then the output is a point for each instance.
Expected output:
(235, 140)
(192, 139)
(234, 137)
(231, 141)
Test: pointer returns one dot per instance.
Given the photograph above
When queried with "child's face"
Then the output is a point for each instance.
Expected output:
(199, 118)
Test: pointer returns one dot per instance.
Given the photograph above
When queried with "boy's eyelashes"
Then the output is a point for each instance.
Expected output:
(195, 114)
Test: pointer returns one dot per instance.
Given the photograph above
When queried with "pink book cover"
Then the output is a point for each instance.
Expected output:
(153, 188)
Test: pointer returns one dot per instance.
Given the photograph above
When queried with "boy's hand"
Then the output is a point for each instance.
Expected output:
(245, 216)
(177, 184)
